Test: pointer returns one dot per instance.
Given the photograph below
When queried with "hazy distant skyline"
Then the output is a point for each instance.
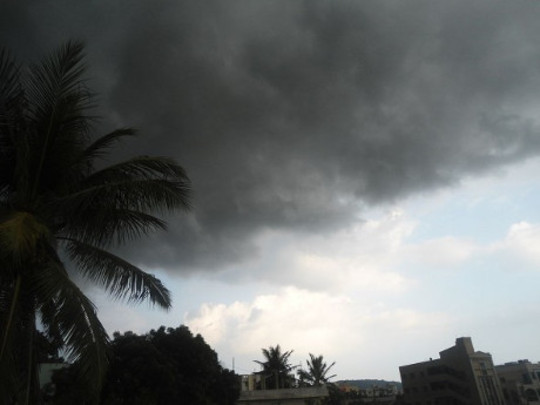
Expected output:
(365, 172)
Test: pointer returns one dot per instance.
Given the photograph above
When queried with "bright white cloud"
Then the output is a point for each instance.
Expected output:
(371, 296)
(312, 322)
(521, 245)
(344, 290)
(286, 317)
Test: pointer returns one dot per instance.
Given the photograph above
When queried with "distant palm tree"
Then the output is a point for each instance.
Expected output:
(317, 371)
(57, 203)
(276, 370)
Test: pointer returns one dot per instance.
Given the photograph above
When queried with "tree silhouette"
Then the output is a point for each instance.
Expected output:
(57, 203)
(317, 370)
(276, 370)
(164, 366)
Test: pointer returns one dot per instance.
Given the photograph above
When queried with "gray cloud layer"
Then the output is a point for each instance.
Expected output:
(295, 114)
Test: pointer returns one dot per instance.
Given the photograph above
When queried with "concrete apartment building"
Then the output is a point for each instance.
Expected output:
(461, 376)
(253, 393)
(284, 396)
(520, 382)
(380, 395)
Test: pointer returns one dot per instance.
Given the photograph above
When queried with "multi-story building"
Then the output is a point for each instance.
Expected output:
(253, 393)
(461, 376)
(380, 395)
(520, 382)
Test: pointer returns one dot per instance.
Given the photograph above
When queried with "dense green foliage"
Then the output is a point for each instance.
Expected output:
(338, 397)
(317, 371)
(58, 201)
(164, 366)
(276, 369)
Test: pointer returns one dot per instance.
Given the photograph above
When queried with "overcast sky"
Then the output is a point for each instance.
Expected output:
(365, 173)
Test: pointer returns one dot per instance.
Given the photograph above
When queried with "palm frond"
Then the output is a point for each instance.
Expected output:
(50, 191)
(11, 118)
(100, 145)
(58, 77)
(10, 86)
(140, 167)
(122, 208)
(51, 328)
(58, 101)
(75, 318)
(58, 97)
(121, 279)
(317, 370)
(154, 195)
(104, 226)
(140, 184)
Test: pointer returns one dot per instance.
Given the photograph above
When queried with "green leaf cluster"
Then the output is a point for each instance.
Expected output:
(317, 371)
(164, 366)
(57, 201)
(277, 372)
(276, 369)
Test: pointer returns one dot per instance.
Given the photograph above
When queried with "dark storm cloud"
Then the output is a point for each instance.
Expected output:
(292, 114)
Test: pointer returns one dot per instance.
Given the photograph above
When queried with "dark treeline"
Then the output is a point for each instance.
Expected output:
(163, 366)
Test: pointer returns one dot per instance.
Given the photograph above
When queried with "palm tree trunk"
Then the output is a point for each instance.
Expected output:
(9, 322)
(31, 366)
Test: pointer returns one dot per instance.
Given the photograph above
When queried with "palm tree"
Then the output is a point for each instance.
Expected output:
(59, 204)
(276, 370)
(317, 371)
